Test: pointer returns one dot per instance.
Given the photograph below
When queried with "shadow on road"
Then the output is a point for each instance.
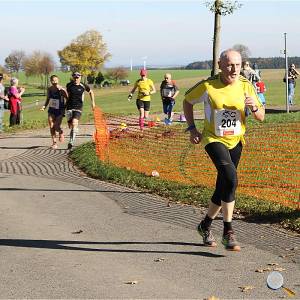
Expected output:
(72, 190)
(25, 137)
(66, 245)
(31, 147)
(39, 136)
(279, 110)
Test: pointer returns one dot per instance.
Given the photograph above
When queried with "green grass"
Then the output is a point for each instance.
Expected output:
(34, 118)
(111, 100)
(155, 75)
(114, 100)
(275, 94)
(276, 118)
(158, 75)
(253, 209)
(37, 80)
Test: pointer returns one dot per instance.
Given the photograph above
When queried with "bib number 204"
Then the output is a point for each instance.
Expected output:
(225, 123)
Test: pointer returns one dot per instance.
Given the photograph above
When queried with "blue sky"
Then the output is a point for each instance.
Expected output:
(166, 32)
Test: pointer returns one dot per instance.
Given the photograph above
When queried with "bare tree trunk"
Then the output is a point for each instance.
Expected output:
(216, 41)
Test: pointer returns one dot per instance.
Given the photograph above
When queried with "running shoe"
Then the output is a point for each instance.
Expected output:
(208, 238)
(230, 242)
(168, 121)
(54, 146)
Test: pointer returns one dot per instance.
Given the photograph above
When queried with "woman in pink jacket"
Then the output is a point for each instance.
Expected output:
(14, 95)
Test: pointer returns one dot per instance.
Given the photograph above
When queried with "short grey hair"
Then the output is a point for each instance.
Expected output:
(14, 81)
(224, 54)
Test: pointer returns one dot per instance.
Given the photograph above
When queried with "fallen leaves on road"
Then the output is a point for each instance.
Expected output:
(211, 298)
(131, 282)
(290, 292)
(159, 259)
(274, 267)
(261, 270)
(292, 249)
(279, 269)
(287, 255)
(246, 288)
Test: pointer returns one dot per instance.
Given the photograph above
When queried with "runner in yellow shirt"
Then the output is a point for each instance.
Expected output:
(227, 98)
(145, 88)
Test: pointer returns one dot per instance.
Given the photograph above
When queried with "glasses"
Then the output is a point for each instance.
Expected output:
(76, 77)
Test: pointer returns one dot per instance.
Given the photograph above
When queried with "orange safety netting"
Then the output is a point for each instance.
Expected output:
(101, 134)
(269, 168)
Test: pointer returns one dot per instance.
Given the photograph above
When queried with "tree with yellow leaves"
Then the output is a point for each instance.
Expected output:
(39, 63)
(85, 54)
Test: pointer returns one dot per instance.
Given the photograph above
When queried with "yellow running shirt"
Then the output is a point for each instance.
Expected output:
(224, 109)
(144, 86)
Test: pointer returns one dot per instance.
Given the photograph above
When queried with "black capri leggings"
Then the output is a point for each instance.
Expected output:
(226, 162)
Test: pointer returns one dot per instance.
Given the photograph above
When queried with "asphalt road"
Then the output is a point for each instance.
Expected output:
(64, 235)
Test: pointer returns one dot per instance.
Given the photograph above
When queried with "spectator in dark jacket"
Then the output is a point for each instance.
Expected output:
(292, 76)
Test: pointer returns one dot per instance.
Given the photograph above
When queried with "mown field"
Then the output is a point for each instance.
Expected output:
(114, 99)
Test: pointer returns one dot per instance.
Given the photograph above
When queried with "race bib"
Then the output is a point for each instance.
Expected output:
(227, 122)
(54, 103)
(167, 93)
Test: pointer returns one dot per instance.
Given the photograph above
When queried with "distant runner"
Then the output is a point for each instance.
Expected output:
(225, 97)
(168, 93)
(75, 90)
(56, 97)
(145, 88)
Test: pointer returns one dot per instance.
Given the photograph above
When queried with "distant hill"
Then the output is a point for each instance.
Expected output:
(262, 62)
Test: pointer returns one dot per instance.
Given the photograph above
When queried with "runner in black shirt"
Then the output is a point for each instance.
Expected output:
(56, 96)
(74, 104)
(168, 92)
